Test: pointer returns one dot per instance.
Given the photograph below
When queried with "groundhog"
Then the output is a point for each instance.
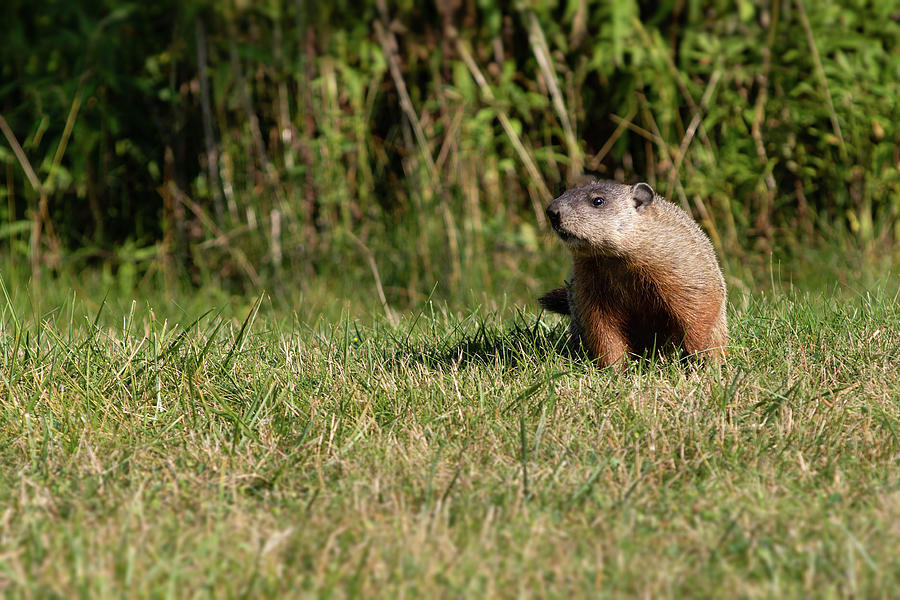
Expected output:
(645, 276)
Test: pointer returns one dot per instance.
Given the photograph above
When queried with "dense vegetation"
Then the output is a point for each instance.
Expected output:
(260, 142)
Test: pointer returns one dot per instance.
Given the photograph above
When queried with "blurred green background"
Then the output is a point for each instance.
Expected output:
(373, 154)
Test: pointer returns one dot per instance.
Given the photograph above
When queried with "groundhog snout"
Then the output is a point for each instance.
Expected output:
(553, 215)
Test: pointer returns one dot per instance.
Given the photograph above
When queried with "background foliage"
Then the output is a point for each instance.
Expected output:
(252, 143)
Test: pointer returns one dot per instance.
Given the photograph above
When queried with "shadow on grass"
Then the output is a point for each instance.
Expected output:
(528, 342)
(522, 344)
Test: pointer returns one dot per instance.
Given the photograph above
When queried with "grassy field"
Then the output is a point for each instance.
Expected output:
(268, 328)
(169, 451)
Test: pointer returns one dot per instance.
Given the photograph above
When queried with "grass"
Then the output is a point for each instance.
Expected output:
(449, 454)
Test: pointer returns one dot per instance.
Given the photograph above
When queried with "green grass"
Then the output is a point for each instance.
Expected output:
(449, 454)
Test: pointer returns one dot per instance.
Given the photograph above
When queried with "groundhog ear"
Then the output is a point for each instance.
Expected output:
(642, 194)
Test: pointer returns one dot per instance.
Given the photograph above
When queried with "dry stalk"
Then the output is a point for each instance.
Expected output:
(526, 158)
(389, 47)
(762, 219)
(622, 124)
(238, 254)
(542, 53)
(452, 133)
(20, 156)
(212, 153)
(626, 122)
(676, 75)
(820, 71)
(286, 129)
(373, 266)
(696, 120)
(269, 173)
(41, 217)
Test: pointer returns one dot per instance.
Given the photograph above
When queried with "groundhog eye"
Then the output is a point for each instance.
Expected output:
(597, 201)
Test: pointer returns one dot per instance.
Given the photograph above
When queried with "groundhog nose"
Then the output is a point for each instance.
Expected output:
(553, 215)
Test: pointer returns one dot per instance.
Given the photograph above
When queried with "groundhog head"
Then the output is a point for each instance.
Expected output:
(600, 219)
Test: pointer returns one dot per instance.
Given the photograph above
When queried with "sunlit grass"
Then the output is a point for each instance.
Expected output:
(451, 453)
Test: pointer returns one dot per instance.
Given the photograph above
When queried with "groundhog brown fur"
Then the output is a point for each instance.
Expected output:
(645, 276)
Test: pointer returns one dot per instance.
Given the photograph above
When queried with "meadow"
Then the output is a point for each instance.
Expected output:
(165, 450)
(267, 316)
